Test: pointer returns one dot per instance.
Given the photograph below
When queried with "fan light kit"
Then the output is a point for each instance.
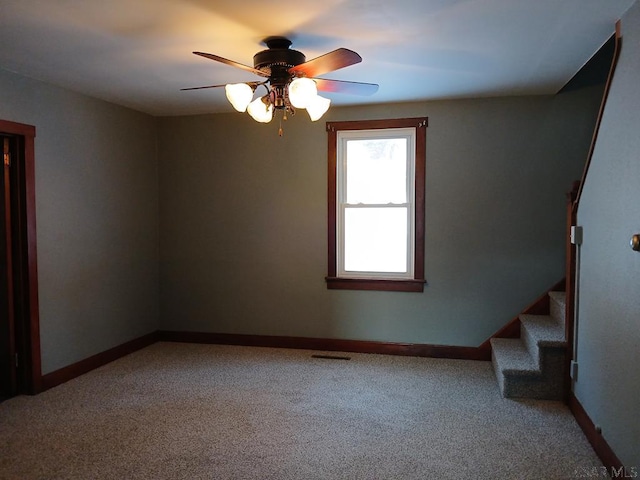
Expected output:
(290, 82)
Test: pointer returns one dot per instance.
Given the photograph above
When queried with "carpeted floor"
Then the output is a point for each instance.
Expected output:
(181, 411)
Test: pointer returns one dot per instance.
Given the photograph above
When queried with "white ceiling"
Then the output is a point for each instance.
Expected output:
(137, 53)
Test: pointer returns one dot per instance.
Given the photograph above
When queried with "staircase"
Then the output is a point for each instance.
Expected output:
(532, 366)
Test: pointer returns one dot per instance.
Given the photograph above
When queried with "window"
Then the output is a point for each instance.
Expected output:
(376, 204)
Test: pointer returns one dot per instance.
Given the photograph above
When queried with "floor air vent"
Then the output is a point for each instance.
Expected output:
(331, 357)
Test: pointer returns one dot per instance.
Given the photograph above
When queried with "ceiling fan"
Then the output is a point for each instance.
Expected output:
(290, 81)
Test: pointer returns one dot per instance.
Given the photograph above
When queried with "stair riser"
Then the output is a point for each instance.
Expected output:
(530, 387)
(531, 344)
(557, 312)
(548, 386)
(553, 363)
(499, 375)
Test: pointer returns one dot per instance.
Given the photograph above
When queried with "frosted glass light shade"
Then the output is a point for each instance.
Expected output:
(302, 91)
(239, 94)
(260, 111)
(317, 107)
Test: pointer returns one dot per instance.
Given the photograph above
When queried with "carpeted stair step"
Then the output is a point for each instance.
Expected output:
(539, 332)
(532, 366)
(557, 306)
(511, 356)
(520, 375)
(513, 366)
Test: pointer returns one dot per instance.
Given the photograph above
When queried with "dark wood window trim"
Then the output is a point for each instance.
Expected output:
(412, 285)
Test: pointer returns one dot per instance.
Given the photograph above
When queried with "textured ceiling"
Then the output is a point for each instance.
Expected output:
(138, 53)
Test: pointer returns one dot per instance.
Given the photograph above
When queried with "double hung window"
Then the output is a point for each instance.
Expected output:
(376, 204)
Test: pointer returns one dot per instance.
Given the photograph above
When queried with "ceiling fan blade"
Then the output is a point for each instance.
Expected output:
(200, 88)
(253, 85)
(328, 62)
(226, 61)
(341, 86)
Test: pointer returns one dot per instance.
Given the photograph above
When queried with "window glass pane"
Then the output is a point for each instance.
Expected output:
(377, 171)
(375, 240)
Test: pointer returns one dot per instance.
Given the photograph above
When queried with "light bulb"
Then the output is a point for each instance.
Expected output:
(261, 110)
(317, 107)
(239, 94)
(302, 91)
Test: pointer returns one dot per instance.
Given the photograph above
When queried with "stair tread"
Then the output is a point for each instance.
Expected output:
(560, 297)
(512, 357)
(544, 330)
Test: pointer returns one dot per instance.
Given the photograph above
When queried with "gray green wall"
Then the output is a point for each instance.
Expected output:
(240, 218)
(608, 309)
(97, 218)
(214, 224)
(243, 221)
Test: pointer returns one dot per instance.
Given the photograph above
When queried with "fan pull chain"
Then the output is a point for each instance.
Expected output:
(284, 117)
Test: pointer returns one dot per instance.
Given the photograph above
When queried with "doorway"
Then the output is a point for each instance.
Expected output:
(20, 370)
(8, 335)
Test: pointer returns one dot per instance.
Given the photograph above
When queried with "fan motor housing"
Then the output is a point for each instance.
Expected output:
(278, 58)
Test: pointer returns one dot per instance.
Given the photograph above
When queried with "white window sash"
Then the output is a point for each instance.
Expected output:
(341, 206)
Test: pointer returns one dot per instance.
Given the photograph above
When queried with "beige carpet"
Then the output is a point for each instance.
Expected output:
(180, 411)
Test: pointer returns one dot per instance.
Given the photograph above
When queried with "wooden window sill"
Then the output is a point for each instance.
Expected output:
(411, 285)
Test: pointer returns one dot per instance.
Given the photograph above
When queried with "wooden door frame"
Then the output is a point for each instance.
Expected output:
(32, 382)
(10, 147)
